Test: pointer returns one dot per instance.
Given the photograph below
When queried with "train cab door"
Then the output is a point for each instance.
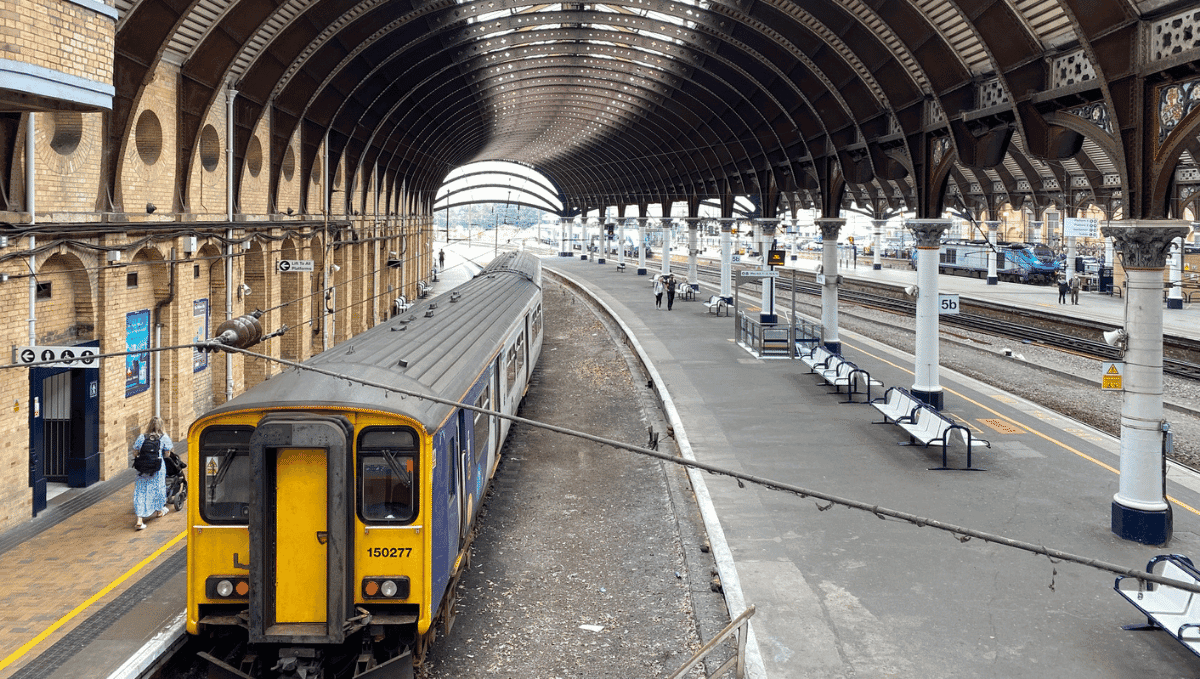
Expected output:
(466, 479)
(301, 518)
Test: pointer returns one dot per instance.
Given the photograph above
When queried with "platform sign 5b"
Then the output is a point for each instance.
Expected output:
(1110, 376)
(62, 357)
(947, 304)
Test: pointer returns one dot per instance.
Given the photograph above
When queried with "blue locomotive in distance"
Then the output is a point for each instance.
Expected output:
(1015, 262)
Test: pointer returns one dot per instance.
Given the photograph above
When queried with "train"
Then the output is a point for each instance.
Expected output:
(331, 520)
(1017, 262)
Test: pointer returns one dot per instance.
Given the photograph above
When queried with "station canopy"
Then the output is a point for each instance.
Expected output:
(914, 104)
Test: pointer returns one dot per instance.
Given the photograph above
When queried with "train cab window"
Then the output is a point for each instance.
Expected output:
(387, 477)
(225, 454)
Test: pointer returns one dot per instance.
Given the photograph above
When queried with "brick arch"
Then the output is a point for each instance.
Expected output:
(65, 311)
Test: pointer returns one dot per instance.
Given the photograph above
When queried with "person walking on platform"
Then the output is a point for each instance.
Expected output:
(658, 292)
(150, 487)
(442, 260)
(1076, 284)
(670, 292)
(1062, 290)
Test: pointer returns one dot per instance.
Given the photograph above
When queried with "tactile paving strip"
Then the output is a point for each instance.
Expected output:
(1002, 426)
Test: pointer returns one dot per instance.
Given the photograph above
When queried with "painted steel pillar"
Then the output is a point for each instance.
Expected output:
(727, 260)
(693, 275)
(926, 385)
(1071, 259)
(992, 279)
(1175, 267)
(1139, 509)
(641, 246)
(877, 244)
(766, 232)
(564, 238)
(1035, 229)
(621, 244)
(829, 289)
(666, 246)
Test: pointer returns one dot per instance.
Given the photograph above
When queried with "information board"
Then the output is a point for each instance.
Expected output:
(1081, 227)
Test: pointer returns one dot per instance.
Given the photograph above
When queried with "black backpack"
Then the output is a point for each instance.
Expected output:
(148, 459)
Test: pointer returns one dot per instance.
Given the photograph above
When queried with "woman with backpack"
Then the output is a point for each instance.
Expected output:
(150, 487)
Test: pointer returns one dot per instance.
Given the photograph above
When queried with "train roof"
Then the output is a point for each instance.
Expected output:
(438, 347)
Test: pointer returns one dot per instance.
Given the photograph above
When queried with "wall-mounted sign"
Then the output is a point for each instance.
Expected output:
(295, 265)
(64, 357)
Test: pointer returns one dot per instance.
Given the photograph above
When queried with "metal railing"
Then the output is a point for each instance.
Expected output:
(741, 627)
(775, 339)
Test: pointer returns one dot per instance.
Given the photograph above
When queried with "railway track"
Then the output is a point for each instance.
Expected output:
(981, 323)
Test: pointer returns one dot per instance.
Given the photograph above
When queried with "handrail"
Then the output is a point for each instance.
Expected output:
(741, 626)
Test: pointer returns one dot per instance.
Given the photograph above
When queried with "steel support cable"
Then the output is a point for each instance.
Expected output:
(962, 533)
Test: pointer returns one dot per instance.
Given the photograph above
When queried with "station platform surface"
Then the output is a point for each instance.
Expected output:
(841, 593)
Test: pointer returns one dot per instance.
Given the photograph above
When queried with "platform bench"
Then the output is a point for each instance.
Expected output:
(1174, 611)
(716, 304)
(928, 426)
(896, 405)
(621, 268)
(818, 359)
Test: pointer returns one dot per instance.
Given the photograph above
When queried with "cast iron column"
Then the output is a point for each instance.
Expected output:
(766, 229)
(992, 279)
(641, 246)
(727, 260)
(1175, 269)
(1139, 509)
(1036, 232)
(829, 292)
(666, 246)
(877, 244)
(693, 276)
(928, 234)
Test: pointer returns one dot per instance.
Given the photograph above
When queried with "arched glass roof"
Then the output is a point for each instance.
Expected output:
(494, 181)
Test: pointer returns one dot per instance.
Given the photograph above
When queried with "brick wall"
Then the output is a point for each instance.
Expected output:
(58, 35)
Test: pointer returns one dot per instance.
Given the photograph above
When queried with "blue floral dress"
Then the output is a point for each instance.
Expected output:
(150, 491)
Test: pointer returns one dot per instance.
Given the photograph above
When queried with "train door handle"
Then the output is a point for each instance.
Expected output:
(322, 536)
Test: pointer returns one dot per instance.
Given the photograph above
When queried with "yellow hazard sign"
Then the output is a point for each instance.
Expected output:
(1110, 378)
(210, 467)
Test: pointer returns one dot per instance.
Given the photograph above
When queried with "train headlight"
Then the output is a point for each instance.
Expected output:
(385, 587)
(226, 587)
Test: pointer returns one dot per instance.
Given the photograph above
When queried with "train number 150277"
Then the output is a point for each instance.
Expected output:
(389, 552)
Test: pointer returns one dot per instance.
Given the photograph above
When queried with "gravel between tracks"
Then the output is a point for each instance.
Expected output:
(1061, 381)
(576, 534)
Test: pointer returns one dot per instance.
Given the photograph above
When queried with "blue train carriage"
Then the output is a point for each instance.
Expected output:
(334, 518)
(1016, 262)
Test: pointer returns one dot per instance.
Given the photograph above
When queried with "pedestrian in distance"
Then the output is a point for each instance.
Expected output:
(442, 259)
(658, 292)
(670, 292)
(150, 487)
(1076, 284)
(1062, 290)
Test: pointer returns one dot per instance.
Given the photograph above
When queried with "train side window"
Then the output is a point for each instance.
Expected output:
(537, 322)
(387, 477)
(225, 454)
(483, 422)
(520, 349)
(510, 367)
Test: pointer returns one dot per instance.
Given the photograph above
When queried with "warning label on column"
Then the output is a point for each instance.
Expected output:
(1111, 377)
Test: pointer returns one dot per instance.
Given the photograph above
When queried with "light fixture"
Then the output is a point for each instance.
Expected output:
(335, 268)
(289, 210)
(150, 208)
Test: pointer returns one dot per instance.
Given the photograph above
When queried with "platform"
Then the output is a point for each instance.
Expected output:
(841, 593)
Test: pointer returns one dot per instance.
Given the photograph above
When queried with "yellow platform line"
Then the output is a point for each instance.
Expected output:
(1026, 427)
(25, 648)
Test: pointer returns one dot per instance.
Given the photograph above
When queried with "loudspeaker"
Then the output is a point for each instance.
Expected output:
(1115, 338)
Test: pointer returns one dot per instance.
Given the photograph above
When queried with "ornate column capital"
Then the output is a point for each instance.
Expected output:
(1145, 243)
(992, 224)
(767, 224)
(928, 232)
(879, 223)
(1036, 223)
(830, 226)
(726, 224)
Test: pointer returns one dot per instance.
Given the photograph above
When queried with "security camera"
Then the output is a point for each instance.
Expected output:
(912, 291)
(1116, 338)
(336, 268)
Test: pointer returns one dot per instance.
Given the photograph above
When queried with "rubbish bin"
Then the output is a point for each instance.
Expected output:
(1106, 279)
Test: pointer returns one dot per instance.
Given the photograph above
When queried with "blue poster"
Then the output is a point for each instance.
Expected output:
(137, 365)
(200, 324)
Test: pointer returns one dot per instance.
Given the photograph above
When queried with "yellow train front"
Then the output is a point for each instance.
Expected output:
(331, 519)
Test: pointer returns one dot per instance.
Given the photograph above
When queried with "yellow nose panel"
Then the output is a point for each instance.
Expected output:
(301, 519)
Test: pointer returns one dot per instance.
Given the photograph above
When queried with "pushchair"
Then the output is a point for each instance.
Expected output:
(176, 480)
